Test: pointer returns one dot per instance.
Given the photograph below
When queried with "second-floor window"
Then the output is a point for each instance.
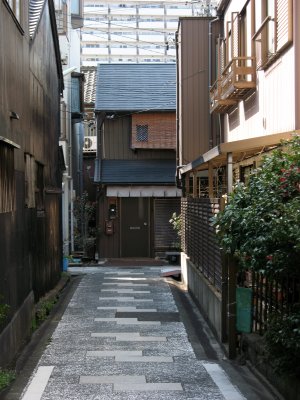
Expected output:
(273, 29)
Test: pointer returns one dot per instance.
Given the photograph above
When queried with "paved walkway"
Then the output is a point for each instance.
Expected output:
(121, 337)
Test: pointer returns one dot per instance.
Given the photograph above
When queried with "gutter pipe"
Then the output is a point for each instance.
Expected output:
(209, 78)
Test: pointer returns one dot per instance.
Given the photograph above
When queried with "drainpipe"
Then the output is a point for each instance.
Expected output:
(210, 135)
(296, 41)
(177, 103)
(229, 173)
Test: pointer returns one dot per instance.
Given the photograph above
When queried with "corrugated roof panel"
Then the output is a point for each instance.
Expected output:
(136, 87)
(138, 171)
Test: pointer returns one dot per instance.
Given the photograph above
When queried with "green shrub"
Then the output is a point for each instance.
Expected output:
(4, 308)
(283, 342)
(260, 227)
(43, 309)
(6, 377)
(261, 223)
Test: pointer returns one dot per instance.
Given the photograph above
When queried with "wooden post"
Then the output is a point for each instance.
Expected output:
(210, 181)
(195, 184)
(187, 184)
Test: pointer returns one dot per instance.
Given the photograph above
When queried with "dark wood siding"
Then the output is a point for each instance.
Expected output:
(30, 239)
(116, 142)
(108, 245)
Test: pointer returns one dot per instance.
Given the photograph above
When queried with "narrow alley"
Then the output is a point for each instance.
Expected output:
(128, 333)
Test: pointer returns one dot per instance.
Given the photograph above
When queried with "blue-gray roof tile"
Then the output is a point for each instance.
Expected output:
(136, 172)
(136, 87)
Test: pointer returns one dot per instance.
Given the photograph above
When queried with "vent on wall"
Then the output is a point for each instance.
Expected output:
(90, 143)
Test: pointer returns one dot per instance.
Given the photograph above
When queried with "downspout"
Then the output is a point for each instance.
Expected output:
(177, 106)
(210, 134)
(296, 41)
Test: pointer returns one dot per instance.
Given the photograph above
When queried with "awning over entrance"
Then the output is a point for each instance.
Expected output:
(143, 191)
(240, 150)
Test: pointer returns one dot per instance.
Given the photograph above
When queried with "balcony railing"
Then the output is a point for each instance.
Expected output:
(217, 104)
(238, 81)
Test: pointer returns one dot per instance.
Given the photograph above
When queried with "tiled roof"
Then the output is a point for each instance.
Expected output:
(89, 84)
(136, 87)
(35, 11)
(136, 172)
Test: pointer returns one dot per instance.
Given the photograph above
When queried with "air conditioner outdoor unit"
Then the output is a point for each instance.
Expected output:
(90, 144)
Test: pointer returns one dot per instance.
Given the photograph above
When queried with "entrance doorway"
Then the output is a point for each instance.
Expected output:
(135, 227)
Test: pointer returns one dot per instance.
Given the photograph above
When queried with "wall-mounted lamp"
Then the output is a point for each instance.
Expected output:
(14, 115)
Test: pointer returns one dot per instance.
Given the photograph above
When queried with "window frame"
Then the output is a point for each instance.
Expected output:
(272, 25)
(7, 178)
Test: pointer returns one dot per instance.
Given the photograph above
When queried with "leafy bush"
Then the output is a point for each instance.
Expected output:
(261, 223)
(283, 342)
(6, 377)
(260, 226)
(85, 232)
(175, 221)
(4, 308)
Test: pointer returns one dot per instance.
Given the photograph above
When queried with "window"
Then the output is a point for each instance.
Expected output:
(76, 14)
(34, 183)
(142, 133)
(273, 29)
(61, 19)
(7, 178)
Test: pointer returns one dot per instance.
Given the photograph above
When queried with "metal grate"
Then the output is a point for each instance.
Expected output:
(142, 133)
(198, 237)
(271, 296)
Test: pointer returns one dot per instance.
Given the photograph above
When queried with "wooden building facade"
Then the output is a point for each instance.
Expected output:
(30, 159)
(135, 166)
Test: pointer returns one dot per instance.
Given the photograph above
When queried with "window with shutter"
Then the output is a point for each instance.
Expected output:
(274, 30)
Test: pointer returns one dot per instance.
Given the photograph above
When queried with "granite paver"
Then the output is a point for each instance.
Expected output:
(96, 356)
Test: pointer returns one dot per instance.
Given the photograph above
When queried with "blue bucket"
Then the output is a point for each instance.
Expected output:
(65, 264)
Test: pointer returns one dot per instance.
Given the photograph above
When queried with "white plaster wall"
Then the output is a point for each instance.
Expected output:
(271, 109)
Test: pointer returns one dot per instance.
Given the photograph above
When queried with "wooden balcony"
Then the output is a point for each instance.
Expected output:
(217, 104)
(238, 81)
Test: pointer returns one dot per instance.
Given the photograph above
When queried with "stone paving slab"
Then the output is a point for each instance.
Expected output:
(125, 284)
(128, 309)
(129, 379)
(106, 348)
(129, 337)
(122, 387)
(127, 321)
(125, 291)
(121, 299)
